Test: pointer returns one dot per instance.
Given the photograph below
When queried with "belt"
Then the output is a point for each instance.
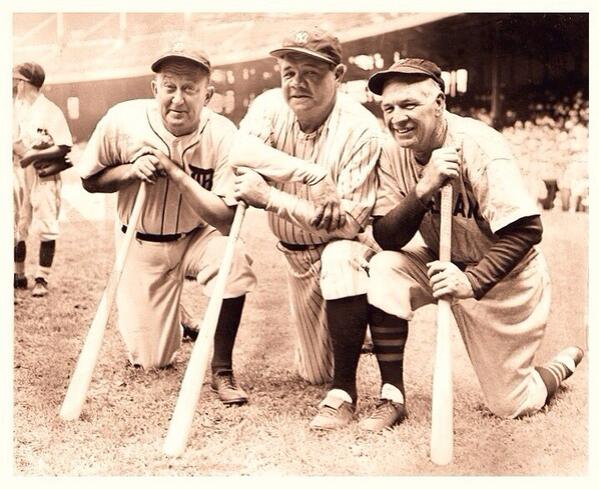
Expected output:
(298, 247)
(155, 238)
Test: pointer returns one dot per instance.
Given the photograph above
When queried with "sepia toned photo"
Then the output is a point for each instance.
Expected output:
(267, 243)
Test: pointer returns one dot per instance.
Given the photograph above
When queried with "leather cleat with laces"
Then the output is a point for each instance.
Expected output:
(189, 333)
(386, 415)
(224, 384)
(333, 413)
(40, 289)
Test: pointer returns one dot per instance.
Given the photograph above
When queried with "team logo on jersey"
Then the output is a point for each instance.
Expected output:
(301, 37)
(204, 176)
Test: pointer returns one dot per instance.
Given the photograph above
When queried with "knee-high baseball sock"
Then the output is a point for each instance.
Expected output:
(562, 366)
(226, 332)
(389, 335)
(347, 320)
(47, 250)
(20, 255)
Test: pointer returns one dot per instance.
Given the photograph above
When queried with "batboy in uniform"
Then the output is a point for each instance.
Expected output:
(323, 241)
(186, 215)
(497, 279)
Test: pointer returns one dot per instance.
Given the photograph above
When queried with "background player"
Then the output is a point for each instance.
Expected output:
(185, 218)
(41, 140)
(323, 245)
(498, 279)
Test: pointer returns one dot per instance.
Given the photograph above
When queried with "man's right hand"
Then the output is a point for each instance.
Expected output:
(328, 215)
(145, 166)
(443, 164)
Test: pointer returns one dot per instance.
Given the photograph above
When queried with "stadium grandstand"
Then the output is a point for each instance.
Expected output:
(515, 71)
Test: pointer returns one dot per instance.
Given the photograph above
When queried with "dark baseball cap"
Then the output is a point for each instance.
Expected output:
(182, 50)
(30, 72)
(405, 66)
(315, 42)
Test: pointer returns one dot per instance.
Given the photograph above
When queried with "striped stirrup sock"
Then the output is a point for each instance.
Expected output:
(560, 368)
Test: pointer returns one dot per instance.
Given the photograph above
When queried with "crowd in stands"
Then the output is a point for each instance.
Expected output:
(550, 141)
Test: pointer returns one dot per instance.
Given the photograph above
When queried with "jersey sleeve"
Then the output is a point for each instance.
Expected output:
(58, 128)
(258, 120)
(102, 150)
(388, 192)
(224, 177)
(497, 183)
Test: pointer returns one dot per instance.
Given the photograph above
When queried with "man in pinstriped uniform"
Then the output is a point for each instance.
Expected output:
(324, 243)
(180, 148)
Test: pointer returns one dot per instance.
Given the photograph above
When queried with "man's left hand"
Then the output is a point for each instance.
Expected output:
(251, 187)
(448, 280)
(328, 214)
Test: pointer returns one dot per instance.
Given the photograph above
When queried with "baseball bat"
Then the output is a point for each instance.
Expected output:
(442, 396)
(191, 386)
(82, 375)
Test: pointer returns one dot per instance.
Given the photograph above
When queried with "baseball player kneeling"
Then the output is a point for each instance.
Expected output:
(186, 216)
(319, 196)
(497, 279)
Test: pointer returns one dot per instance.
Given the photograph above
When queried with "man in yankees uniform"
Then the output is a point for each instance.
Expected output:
(41, 141)
(497, 279)
(187, 214)
(323, 244)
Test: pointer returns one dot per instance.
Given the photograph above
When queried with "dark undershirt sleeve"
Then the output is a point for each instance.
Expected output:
(515, 240)
(396, 228)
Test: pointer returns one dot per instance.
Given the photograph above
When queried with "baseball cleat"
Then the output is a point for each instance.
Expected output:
(40, 289)
(189, 333)
(386, 415)
(19, 282)
(224, 384)
(569, 357)
(333, 413)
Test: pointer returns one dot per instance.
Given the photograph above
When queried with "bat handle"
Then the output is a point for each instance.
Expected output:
(441, 443)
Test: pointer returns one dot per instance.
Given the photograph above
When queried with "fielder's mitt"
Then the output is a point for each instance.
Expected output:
(48, 168)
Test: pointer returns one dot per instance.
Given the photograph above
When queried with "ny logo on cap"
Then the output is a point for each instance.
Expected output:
(178, 47)
(301, 37)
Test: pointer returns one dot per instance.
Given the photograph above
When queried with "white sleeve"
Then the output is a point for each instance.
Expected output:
(102, 149)
(58, 128)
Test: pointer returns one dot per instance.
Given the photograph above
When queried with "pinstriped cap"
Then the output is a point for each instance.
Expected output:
(316, 43)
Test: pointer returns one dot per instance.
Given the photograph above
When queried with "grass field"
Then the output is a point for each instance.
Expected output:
(126, 416)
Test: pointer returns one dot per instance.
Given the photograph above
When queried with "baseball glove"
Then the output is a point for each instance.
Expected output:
(43, 140)
(48, 168)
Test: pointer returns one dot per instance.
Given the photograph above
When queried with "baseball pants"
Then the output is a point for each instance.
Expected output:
(330, 271)
(501, 332)
(150, 289)
(39, 204)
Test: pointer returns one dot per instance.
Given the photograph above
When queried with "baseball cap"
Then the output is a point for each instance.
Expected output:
(314, 42)
(406, 66)
(30, 72)
(182, 50)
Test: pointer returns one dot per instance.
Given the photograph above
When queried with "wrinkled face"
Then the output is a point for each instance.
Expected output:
(181, 89)
(309, 86)
(412, 112)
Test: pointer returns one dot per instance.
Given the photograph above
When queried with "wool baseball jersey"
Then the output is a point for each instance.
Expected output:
(42, 116)
(131, 125)
(488, 195)
(348, 144)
